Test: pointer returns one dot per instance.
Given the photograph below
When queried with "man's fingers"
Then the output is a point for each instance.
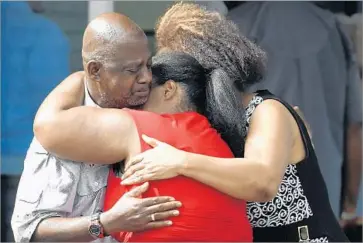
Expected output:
(132, 169)
(138, 191)
(342, 223)
(164, 207)
(151, 201)
(158, 224)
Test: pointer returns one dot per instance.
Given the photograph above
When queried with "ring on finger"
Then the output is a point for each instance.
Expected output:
(153, 217)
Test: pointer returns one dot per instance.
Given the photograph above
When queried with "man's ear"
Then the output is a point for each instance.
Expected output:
(93, 69)
(170, 89)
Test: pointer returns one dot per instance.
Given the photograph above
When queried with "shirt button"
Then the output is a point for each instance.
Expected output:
(96, 183)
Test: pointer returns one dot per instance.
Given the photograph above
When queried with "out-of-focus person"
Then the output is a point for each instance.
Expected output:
(352, 221)
(311, 64)
(34, 57)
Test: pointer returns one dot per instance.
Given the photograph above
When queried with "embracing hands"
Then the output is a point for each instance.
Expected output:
(162, 162)
(134, 214)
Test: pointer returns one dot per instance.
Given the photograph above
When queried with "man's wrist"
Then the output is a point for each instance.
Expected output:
(95, 228)
(106, 222)
(347, 216)
(349, 206)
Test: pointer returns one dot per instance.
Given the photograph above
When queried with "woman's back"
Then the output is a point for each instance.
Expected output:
(301, 210)
(206, 214)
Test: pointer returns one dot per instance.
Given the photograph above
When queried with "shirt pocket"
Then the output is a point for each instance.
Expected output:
(34, 177)
(93, 179)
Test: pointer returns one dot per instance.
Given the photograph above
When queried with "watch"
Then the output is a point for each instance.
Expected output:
(95, 228)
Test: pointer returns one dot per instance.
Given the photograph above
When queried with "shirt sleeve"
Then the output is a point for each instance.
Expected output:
(47, 188)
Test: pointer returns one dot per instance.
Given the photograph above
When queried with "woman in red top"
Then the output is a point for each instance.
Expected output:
(182, 92)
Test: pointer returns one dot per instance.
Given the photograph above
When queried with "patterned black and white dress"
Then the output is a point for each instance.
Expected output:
(301, 210)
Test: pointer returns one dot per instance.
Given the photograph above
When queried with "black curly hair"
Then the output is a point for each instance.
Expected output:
(213, 40)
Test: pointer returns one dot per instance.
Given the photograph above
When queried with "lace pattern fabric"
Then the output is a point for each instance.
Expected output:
(290, 204)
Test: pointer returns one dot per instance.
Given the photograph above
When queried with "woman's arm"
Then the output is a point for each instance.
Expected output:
(80, 133)
(257, 176)
(254, 178)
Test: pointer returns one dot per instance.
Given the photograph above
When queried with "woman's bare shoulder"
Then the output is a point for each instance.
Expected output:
(271, 111)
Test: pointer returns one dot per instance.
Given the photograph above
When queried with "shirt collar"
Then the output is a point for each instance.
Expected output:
(88, 101)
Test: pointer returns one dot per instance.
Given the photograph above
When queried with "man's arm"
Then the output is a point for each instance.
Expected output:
(79, 133)
(46, 197)
(353, 174)
(47, 189)
(129, 214)
(62, 229)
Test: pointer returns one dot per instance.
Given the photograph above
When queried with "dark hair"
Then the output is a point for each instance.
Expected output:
(213, 40)
(186, 71)
(210, 93)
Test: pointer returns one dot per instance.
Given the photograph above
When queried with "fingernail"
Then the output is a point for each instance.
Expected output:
(169, 223)
(126, 182)
(178, 204)
(176, 213)
(171, 199)
(156, 191)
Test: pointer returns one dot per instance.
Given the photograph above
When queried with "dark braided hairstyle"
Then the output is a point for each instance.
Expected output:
(213, 40)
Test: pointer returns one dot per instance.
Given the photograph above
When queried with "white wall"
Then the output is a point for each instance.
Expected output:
(144, 13)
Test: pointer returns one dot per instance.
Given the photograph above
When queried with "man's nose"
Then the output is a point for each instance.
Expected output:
(146, 76)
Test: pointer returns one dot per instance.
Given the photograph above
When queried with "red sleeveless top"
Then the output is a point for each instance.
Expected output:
(206, 214)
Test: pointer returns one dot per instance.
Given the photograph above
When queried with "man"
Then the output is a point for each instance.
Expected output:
(311, 65)
(56, 197)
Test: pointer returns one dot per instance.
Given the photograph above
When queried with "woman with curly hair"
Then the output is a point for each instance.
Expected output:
(279, 172)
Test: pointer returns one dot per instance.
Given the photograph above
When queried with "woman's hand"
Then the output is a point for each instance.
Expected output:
(162, 162)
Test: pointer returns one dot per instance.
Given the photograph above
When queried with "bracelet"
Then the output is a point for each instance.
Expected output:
(347, 216)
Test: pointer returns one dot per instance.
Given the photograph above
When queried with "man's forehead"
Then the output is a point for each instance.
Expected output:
(134, 40)
(135, 59)
(132, 50)
(133, 46)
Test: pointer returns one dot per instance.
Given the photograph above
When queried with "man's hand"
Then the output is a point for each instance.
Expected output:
(133, 214)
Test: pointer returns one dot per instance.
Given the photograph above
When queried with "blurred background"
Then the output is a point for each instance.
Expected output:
(41, 45)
